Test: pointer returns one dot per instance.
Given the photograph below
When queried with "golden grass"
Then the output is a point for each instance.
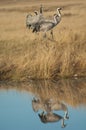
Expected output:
(25, 55)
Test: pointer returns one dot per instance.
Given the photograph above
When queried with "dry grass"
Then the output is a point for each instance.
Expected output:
(25, 55)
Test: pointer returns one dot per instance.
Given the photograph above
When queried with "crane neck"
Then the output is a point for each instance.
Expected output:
(55, 19)
(41, 9)
(59, 12)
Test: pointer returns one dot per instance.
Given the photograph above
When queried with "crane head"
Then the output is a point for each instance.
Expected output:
(59, 9)
(36, 12)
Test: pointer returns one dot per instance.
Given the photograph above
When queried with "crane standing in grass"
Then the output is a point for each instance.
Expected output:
(31, 21)
(46, 25)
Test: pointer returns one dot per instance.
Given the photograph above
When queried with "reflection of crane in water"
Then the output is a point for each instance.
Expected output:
(51, 117)
(48, 107)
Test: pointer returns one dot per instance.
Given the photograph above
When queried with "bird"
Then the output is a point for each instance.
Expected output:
(32, 20)
(46, 25)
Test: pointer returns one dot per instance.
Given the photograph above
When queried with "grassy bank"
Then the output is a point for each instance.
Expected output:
(25, 55)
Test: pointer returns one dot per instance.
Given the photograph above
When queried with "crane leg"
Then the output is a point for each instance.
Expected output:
(52, 34)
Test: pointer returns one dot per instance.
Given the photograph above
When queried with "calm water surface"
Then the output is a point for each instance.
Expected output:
(43, 105)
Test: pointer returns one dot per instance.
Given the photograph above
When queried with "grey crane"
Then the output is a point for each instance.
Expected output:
(32, 20)
(46, 25)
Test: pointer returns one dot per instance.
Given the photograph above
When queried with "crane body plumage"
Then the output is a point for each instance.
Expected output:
(38, 23)
(32, 20)
(45, 25)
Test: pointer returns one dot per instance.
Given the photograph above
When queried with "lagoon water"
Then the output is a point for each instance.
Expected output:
(16, 104)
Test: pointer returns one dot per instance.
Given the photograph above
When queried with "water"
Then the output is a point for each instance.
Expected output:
(22, 103)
